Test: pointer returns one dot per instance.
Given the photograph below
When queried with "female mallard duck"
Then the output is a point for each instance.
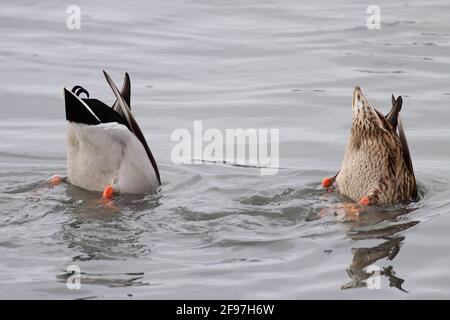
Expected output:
(377, 167)
(106, 148)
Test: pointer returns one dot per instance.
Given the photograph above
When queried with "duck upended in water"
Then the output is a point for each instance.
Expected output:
(106, 150)
(377, 167)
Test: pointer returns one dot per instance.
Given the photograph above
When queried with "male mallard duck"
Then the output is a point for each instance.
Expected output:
(106, 148)
(377, 167)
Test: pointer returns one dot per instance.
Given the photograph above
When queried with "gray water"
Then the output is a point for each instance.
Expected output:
(215, 230)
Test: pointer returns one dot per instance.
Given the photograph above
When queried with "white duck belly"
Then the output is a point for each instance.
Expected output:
(108, 154)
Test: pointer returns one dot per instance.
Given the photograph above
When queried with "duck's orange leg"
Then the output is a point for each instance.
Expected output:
(365, 201)
(108, 192)
(345, 211)
(328, 183)
(106, 200)
(348, 212)
(55, 180)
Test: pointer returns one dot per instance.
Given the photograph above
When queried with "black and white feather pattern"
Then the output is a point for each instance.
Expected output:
(95, 131)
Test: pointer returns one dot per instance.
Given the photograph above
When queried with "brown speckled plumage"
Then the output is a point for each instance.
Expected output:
(377, 163)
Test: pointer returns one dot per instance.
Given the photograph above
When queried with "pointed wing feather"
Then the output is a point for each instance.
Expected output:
(132, 122)
(393, 115)
(407, 156)
(126, 94)
(405, 148)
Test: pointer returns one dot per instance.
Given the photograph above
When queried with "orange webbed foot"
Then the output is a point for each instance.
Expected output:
(346, 212)
(106, 201)
(55, 180)
(365, 201)
(327, 182)
(350, 213)
(108, 192)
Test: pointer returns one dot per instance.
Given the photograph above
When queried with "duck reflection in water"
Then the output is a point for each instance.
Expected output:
(99, 232)
(363, 268)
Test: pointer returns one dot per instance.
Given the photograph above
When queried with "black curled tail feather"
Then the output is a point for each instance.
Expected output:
(77, 90)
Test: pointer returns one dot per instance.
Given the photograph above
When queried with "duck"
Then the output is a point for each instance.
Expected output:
(377, 167)
(106, 149)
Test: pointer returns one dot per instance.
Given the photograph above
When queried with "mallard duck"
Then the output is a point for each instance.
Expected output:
(377, 167)
(106, 150)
